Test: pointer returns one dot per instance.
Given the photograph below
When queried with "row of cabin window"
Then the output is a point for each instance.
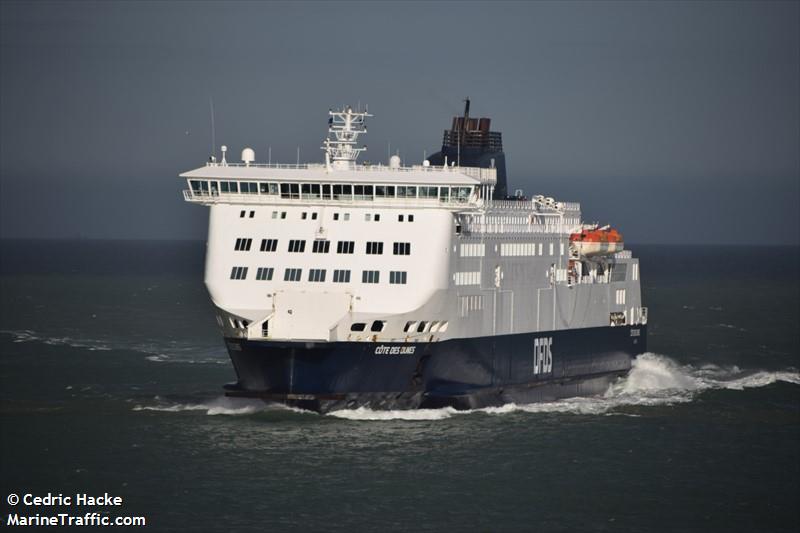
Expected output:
(304, 216)
(321, 246)
(410, 327)
(319, 274)
(326, 191)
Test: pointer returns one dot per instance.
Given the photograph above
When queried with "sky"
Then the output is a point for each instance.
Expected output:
(677, 123)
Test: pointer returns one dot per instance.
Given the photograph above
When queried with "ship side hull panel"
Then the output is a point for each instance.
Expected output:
(463, 373)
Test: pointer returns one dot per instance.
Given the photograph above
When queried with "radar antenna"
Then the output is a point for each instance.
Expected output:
(344, 127)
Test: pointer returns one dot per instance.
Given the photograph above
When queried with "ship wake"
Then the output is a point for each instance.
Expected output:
(216, 406)
(654, 380)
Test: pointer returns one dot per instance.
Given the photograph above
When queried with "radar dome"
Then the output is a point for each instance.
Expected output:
(248, 156)
(394, 161)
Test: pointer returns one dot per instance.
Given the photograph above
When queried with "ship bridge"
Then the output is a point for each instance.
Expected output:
(341, 178)
(420, 185)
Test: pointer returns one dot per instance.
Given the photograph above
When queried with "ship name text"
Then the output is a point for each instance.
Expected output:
(395, 350)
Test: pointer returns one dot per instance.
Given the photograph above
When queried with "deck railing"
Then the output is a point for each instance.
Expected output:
(484, 175)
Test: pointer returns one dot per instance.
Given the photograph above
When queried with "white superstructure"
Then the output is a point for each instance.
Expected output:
(347, 251)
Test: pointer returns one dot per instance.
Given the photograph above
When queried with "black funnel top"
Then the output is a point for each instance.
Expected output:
(470, 143)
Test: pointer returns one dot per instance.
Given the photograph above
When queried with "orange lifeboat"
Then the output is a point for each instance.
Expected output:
(597, 241)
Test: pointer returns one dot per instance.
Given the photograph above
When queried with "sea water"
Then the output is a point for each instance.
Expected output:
(111, 367)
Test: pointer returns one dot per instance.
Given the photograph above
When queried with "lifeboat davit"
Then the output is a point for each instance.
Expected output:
(597, 241)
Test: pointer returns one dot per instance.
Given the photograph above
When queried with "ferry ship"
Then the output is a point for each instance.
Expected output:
(343, 284)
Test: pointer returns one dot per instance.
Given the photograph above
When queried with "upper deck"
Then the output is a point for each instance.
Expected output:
(341, 180)
(421, 185)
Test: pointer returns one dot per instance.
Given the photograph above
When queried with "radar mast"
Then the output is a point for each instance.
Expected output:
(344, 127)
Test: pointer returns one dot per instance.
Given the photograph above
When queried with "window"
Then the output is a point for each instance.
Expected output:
(229, 186)
(310, 190)
(283, 215)
(384, 191)
(399, 218)
(398, 278)
(313, 216)
(367, 217)
(347, 216)
(421, 327)
(342, 192)
(377, 326)
(269, 245)
(264, 273)
(345, 247)
(428, 192)
(411, 218)
(297, 246)
(248, 188)
(406, 192)
(252, 213)
(268, 188)
(410, 326)
(290, 190)
(241, 215)
(374, 248)
(460, 194)
(304, 215)
(341, 276)
(243, 245)
(336, 216)
(239, 273)
(377, 217)
(316, 274)
(620, 294)
(401, 248)
(370, 276)
(358, 326)
(362, 192)
(274, 214)
(321, 246)
(292, 274)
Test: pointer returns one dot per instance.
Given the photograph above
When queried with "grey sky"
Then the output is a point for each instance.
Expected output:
(676, 122)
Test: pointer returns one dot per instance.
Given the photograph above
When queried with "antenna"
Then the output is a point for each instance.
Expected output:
(298, 156)
(462, 129)
(344, 128)
(213, 129)
(269, 160)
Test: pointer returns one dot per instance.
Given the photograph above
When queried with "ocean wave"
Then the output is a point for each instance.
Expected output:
(653, 380)
(168, 351)
(27, 335)
(217, 406)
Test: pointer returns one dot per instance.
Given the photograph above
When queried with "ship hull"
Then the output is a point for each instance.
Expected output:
(461, 373)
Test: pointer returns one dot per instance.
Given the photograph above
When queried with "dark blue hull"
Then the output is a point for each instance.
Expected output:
(462, 373)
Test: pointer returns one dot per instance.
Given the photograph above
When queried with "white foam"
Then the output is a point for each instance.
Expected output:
(169, 351)
(363, 413)
(653, 380)
(221, 405)
(218, 406)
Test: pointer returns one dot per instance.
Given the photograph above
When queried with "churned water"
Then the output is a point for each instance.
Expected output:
(111, 374)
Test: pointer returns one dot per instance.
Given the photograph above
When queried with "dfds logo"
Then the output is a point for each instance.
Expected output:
(542, 355)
